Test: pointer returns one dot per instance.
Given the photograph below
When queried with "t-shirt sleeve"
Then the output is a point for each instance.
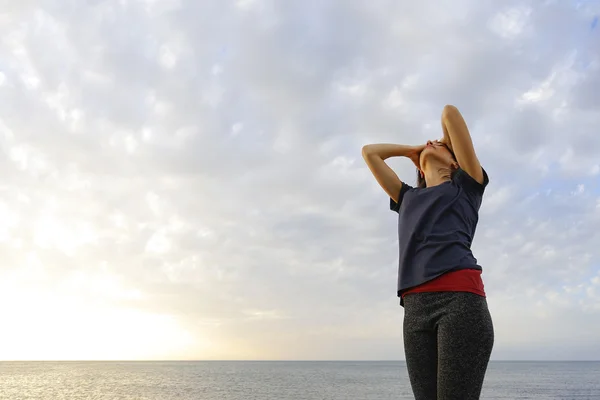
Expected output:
(395, 206)
(470, 185)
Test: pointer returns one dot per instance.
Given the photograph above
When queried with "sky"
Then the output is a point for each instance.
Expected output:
(183, 179)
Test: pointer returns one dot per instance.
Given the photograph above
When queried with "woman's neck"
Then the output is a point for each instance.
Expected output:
(437, 173)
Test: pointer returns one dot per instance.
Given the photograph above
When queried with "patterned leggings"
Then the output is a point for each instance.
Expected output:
(448, 339)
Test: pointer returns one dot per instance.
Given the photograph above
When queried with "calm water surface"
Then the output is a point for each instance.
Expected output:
(235, 380)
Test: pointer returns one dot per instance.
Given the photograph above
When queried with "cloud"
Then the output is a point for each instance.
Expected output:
(197, 165)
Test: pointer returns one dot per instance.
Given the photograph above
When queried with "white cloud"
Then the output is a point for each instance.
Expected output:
(244, 4)
(511, 23)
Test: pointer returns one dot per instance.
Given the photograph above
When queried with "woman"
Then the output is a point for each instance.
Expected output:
(448, 331)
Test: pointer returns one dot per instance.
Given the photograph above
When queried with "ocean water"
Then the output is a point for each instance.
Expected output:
(267, 380)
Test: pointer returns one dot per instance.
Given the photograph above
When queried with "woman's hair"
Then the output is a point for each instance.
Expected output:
(446, 172)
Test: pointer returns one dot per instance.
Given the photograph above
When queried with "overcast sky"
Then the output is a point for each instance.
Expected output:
(182, 179)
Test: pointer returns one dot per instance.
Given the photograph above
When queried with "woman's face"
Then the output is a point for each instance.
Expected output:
(438, 151)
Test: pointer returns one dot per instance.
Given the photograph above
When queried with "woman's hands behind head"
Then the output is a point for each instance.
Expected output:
(415, 155)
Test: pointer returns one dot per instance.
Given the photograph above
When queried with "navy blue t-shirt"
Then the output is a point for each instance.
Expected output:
(436, 226)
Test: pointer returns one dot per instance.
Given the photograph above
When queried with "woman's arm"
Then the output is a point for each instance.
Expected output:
(458, 138)
(375, 154)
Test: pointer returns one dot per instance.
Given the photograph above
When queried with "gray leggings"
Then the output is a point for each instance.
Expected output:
(448, 339)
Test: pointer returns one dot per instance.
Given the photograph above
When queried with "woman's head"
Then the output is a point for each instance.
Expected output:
(436, 158)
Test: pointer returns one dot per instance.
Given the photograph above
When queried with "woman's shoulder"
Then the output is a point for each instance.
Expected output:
(466, 181)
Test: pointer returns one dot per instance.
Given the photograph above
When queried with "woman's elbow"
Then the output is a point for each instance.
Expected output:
(449, 111)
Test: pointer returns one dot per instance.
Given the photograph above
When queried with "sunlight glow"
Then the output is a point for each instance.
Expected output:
(46, 326)
(81, 319)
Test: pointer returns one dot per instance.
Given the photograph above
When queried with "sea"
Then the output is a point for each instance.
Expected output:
(277, 380)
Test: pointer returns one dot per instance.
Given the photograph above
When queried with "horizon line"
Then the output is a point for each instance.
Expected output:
(281, 360)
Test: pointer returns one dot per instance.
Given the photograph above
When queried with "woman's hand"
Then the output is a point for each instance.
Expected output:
(446, 139)
(415, 155)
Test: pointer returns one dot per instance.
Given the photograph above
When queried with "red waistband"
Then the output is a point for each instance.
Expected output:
(463, 280)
